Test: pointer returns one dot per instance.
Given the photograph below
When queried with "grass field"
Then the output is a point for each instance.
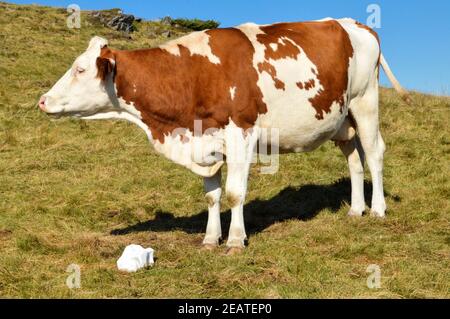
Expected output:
(79, 192)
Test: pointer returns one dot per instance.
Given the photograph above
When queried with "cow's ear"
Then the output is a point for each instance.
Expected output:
(105, 66)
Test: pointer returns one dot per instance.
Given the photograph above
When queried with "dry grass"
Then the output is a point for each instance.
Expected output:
(76, 192)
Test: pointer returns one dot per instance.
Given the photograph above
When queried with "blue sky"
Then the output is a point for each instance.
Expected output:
(415, 34)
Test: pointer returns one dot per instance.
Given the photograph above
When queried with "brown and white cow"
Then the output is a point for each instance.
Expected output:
(312, 81)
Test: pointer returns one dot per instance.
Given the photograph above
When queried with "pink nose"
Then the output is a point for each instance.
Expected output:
(42, 103)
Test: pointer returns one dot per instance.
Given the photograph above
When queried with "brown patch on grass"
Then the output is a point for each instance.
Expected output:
(5, 234)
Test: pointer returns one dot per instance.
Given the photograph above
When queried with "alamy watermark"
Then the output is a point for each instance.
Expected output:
(374, 279)
(374, 19)
(239, 146)
(74, 19)
(73, 281)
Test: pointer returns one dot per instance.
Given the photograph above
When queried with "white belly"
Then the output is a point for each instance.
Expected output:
(298, 129)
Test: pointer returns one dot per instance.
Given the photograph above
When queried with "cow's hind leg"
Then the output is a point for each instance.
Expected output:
(239, 153)
(213, 191)
(365, 113)
(355, 159)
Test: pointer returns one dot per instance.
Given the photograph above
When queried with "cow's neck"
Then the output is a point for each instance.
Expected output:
(138, 87)
(115, 114)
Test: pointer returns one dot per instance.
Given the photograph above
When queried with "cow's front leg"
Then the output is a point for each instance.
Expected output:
(236, 188)
(239, 151)
(213, 192)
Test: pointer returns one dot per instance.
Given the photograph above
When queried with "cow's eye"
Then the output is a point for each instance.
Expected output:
(80, 70)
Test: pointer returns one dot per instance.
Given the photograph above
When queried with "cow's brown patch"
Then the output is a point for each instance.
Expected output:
(270, 69)
(327, 45)
(308, 85)
(172, 91)
(104, 64)
(284, 49)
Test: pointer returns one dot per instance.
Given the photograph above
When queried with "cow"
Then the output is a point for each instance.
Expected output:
(218, 90)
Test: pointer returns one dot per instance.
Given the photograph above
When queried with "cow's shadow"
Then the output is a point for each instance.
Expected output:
(303, 203)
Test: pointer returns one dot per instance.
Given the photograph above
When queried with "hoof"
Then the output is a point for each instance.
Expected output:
(353, 213)
(377, 214)
(232, 251)
(209, 247)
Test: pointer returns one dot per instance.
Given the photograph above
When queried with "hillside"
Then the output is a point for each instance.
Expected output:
(79, 192)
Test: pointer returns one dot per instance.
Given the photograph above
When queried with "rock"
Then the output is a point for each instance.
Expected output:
(123, 22)
(152, 34)
(166, 21)
(115, 20)
(166, 34)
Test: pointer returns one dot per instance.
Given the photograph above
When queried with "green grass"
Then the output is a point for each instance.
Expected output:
(79, 192)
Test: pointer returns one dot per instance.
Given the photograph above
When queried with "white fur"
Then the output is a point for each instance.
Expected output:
(239, 152)
(80, 93)
(121, 115)
(213, 191)
(364, 107)
(232, 92)
(184, 147)
(195, 42)
(290, 110)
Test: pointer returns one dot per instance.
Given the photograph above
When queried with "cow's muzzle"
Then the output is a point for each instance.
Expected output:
(41, 103)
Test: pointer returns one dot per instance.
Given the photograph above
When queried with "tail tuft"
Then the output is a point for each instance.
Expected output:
(406, 97)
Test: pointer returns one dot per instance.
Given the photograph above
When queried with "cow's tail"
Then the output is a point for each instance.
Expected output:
(397, 86)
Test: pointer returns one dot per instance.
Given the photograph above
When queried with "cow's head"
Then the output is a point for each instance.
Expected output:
(87, 87)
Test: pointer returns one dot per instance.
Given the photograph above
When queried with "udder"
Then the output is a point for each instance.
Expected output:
(346, 132)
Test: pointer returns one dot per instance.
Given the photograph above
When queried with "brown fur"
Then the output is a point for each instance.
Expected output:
(104, 64)
(172, 91)
(269, 68)
(328, 46)
(308, 85)
(286, 49)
